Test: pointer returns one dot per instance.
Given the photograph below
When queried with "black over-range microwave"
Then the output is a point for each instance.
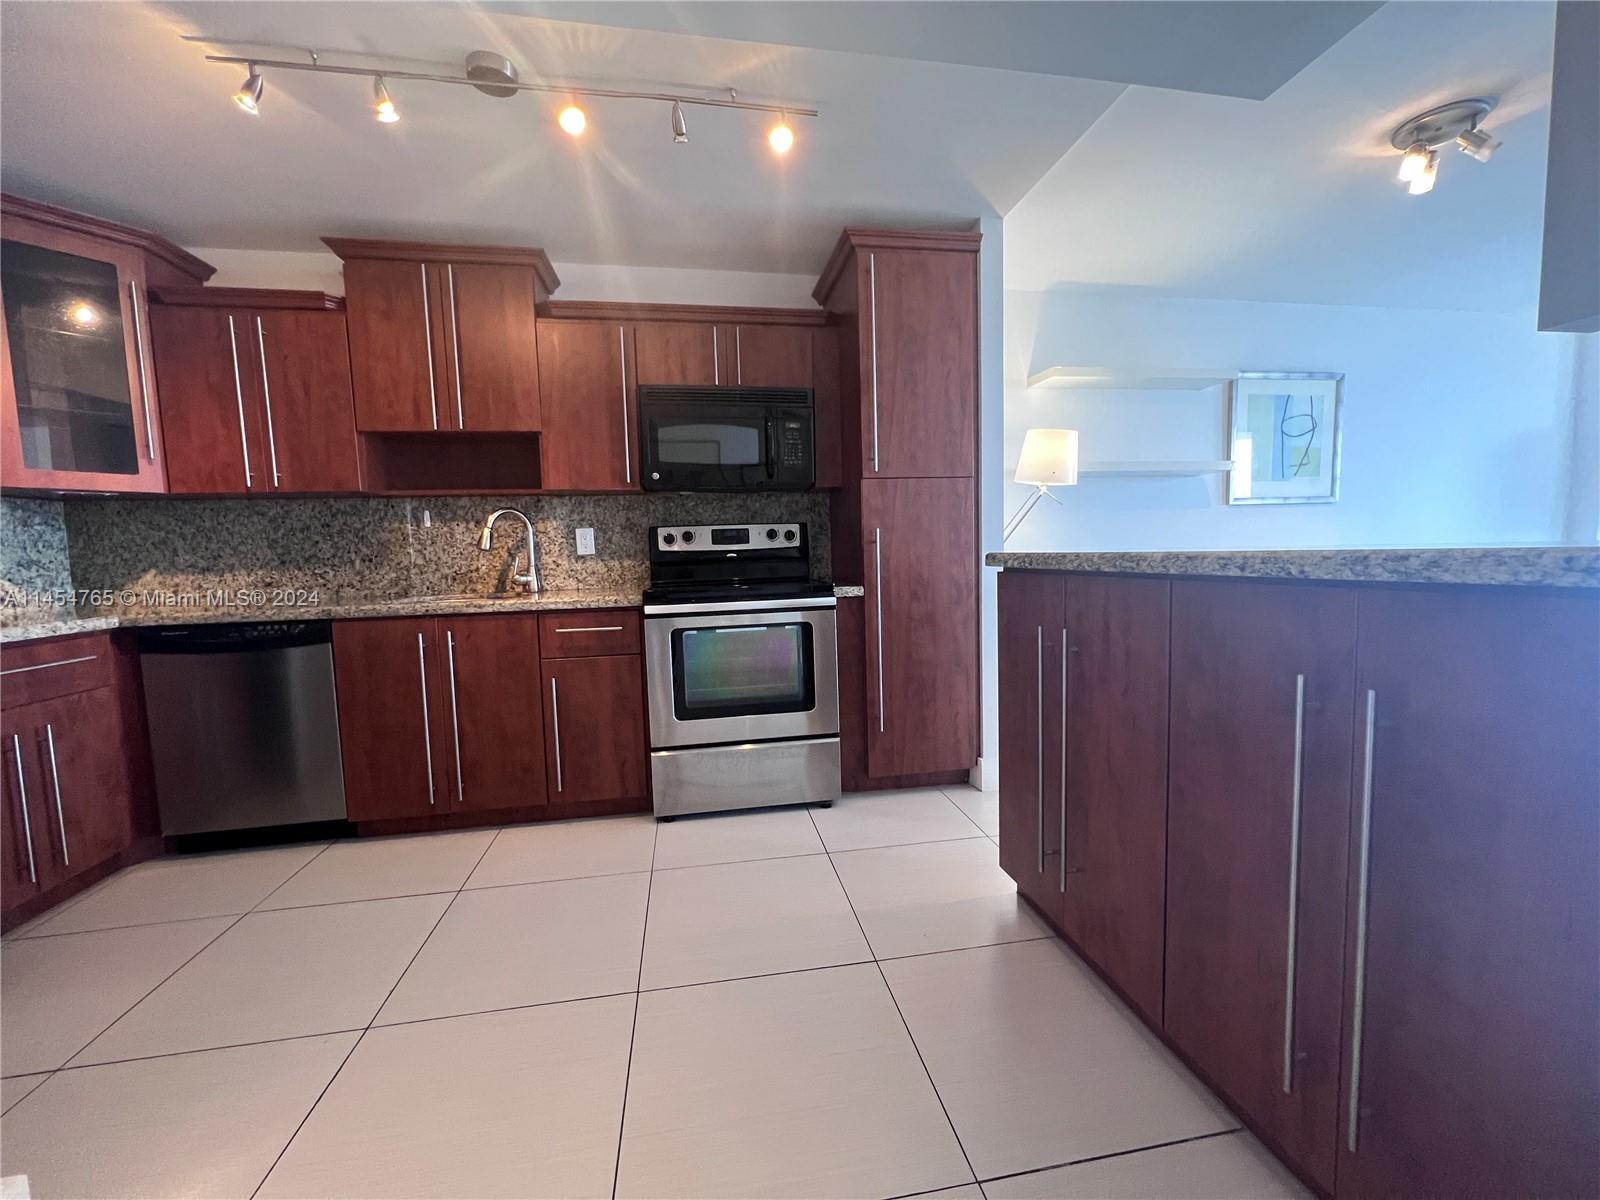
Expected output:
(726, 439)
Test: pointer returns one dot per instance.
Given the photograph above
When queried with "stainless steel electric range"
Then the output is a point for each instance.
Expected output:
(742, 670)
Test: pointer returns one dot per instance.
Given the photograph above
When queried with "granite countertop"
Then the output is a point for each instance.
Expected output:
(1508, 566)
(50, 624)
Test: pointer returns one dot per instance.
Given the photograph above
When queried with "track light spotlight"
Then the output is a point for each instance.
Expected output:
(1423, 181)
(1478, 144)
(248, 97)
(780, 137)
(680, 127)
(381, 104)
(1414, 162)
(573, 120)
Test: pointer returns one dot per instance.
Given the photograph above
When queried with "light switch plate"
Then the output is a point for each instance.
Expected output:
(585, 541)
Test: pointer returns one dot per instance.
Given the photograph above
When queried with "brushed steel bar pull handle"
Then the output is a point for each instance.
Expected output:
(1359, 1000)
(1038, 711)
(738, 354)
(627, 453)
(1061, 867)
(55, 779)
(266, 396)
(60, 662)
(455, 718)
(591, 629)
(427, 340)
(139, 357)
(455, 342)
(238, 395)
(877, 554)
(22, 803)
(1292, 937)
(555, 719)
(427, 736)
(716, 358)
(872, 281)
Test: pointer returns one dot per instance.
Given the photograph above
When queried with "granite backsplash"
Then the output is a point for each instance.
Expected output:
(361, 548)
(33, 554)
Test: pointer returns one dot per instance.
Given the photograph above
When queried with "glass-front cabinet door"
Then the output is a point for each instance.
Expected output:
(79, 406)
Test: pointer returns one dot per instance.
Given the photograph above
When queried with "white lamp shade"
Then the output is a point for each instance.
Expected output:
(1049, 456)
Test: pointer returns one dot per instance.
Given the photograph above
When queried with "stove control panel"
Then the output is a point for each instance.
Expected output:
(728, 539)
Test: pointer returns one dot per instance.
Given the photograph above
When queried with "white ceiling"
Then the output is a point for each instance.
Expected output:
(103, 107)
(1295, 198)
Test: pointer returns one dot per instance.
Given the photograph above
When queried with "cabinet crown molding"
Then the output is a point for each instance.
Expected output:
(152, 244)
(852, 239)
(723, 314)
(240, 297)
(383, 248)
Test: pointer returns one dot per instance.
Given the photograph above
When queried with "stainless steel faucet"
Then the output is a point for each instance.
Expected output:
(486, 537)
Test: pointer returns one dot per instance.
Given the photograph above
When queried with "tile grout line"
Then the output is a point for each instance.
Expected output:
(1094, 1158)
(893, 999)
(638, 983)
(963, 811)
(360, 1037)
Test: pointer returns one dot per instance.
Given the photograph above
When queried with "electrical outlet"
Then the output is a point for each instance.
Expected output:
(585, 541)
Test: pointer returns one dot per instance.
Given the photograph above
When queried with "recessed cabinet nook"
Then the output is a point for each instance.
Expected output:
(1339, 845)
(454, 370)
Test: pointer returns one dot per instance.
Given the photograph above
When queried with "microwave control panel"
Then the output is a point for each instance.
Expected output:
(792, 443)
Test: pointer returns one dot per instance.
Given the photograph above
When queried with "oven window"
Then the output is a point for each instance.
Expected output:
(707, 443)
(742, 670)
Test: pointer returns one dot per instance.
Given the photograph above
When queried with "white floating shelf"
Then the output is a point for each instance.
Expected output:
(1130, 379)
(1170, 469)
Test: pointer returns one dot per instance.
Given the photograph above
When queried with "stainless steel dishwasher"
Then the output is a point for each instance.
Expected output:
(244, 726)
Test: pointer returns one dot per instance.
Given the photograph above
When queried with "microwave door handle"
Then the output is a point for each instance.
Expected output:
(772, 451)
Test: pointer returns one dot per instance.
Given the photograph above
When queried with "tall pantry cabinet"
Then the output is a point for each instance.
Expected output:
(905, 522)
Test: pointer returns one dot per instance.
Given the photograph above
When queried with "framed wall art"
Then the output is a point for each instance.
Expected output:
(1284, 437)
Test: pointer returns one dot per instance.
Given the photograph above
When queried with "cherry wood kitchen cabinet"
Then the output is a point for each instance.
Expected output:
(590, 439)
(442, 338)
(920, 545)
(1472, 1015)
(78, 401)
(257, 396)
(496, 742)
(1262, 727)
(907, 302)
(770, 356)
(679, 352)
(69, 771)
(1033, 684)
(594, 729)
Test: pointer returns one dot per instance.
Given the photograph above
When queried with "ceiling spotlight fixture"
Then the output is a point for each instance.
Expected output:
(1419, 140)
(384, 107)
(573, 120)
(1422, 182)
(248, 97)
(1478, 144)
(780, 137)
(495, 75)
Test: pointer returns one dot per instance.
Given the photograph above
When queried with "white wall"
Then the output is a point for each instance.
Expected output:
(1456, 426)
(321, 270)
(991, 490)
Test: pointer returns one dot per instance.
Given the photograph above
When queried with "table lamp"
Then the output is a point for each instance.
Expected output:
(1049, 456)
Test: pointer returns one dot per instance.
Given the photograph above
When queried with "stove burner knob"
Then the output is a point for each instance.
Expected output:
(688, 536)
(788, 535)
(668, 539)
(772, 535)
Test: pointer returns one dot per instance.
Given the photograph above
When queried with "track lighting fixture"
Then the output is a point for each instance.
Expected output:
(248, 97)
(495, 75)
(1419, 140)
(573, 120)
(780, 137)
(384, 107)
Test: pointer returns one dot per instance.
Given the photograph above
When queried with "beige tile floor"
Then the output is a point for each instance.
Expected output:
(834, 1003)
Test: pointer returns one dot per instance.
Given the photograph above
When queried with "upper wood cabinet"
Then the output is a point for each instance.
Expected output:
(723, 353)
(909, 303)
(679, 352)
(771, 356)
(78, 402)
(590, 438)
(443, 337)
(1257, 836)
(1472, 994)
(256, 399)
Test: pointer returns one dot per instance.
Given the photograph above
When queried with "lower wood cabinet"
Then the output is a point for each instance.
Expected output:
(594, 725)
(495, 754)
(1257, 836)
(68, 772)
